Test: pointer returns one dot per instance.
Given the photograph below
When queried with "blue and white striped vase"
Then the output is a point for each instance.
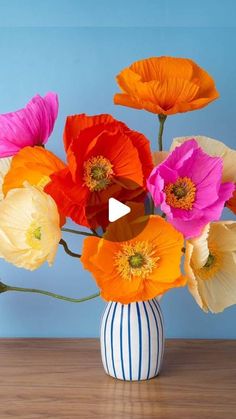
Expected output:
(132, 340)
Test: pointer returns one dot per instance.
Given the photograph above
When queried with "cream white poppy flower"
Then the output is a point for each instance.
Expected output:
(5, 164)
(210, 265)
(29, 228)
(214, 148)
(159, 156)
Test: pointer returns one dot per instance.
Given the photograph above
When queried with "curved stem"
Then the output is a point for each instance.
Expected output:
(67, 250)
(162, 119)
(82, 233)
(4, 288)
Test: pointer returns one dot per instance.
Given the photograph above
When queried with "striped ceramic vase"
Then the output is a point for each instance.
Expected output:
(132, 340)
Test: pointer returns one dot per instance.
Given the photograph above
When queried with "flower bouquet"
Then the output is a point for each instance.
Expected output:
(176, 199)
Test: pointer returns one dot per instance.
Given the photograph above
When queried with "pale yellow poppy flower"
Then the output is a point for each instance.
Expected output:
(159, 156)
(210, 265)
(5, 164)
(214, 148)
(29, 228)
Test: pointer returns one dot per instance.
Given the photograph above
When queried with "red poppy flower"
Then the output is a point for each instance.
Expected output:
(105, 159)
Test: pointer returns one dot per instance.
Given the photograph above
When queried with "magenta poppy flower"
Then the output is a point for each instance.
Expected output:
(29, 126)
(188, 187)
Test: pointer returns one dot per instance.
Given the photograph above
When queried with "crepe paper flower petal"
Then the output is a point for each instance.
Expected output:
(137, 268)
(5, 164)
(187, 186)
(34, 165)
(216, 148)
(29, 228)
(159, 156)
(165, 85)
(231, 203)
(29, 126)
(105, 159)
(210, 265)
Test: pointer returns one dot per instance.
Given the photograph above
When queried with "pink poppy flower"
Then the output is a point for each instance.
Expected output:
(188, 187)
(29, 126)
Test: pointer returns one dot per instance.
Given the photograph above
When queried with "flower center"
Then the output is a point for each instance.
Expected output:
(211, 266)
(181, 194)
(37, 233)
(137, 259)
(97, 173)
(34, 236)
(210, 261)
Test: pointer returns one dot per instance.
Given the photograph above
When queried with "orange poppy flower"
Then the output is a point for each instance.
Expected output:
(165, 85)
(31, 164)
(105, 159)
(129, 267)
(231, 204)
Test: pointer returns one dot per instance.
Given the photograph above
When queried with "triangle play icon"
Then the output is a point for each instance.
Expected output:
(116, 210)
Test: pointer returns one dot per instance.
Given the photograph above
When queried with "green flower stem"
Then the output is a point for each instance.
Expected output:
(162, 119)
(67, 250)
(82, 233)
(5, 288)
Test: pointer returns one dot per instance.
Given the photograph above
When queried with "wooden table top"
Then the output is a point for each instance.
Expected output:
(64, 378)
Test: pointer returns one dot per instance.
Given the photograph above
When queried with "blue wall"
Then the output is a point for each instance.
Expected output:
(76, 49)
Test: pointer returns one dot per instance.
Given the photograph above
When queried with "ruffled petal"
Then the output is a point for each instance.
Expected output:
(214, 148)
(214, 286)
(24, 212)
(214, 211)
(5, 165)
(31, 164)
(220, 291)
(231, 203)
(165, 85)
(100, 258)
(189, 229)
(29, 126)
(70, 199)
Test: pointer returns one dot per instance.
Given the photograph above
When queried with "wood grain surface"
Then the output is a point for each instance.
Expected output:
(58, 378)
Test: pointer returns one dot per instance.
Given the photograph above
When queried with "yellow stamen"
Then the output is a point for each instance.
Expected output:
(212, 264)
(136, 259)
(97, 173)
(181, 194)
(34, 235)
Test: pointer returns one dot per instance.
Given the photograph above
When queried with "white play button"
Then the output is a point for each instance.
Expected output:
(116, 209)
